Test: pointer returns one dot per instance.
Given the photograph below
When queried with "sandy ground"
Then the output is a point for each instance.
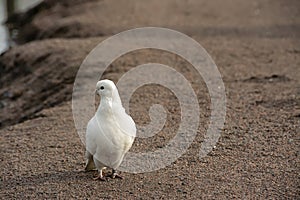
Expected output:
(255, 45)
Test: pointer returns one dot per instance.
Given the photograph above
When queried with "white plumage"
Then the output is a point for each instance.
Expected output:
(110, 133)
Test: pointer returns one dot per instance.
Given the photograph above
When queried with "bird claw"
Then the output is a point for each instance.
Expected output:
(113, 176)
(100, 178)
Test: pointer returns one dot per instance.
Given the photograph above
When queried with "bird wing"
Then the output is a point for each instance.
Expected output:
(90, 138)
(122, 119)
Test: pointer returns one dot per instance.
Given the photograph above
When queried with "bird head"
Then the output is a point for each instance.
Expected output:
(105, 88)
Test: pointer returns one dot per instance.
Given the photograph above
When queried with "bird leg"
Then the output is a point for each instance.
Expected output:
(115, 174)
(100, 176)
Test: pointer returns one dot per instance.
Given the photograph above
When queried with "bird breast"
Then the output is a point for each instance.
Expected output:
(109, 128)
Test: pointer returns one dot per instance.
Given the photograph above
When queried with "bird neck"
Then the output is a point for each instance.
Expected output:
(105, 104)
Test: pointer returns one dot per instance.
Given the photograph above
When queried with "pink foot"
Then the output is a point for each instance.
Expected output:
(101, 178)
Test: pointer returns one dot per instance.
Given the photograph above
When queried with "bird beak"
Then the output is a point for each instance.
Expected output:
(95, 91)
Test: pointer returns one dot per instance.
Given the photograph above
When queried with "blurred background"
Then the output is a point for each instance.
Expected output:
(256, 46)
(8, 7)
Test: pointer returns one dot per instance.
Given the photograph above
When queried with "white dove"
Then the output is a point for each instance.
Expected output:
(110, 133)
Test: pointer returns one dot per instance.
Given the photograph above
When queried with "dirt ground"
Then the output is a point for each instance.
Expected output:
(256, 47)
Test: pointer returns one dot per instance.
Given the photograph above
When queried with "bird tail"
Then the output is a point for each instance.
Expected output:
(90, 165)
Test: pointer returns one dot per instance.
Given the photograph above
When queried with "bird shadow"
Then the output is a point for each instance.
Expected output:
(55, 177)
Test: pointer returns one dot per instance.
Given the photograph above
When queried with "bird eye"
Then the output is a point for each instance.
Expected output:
(102, 88)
